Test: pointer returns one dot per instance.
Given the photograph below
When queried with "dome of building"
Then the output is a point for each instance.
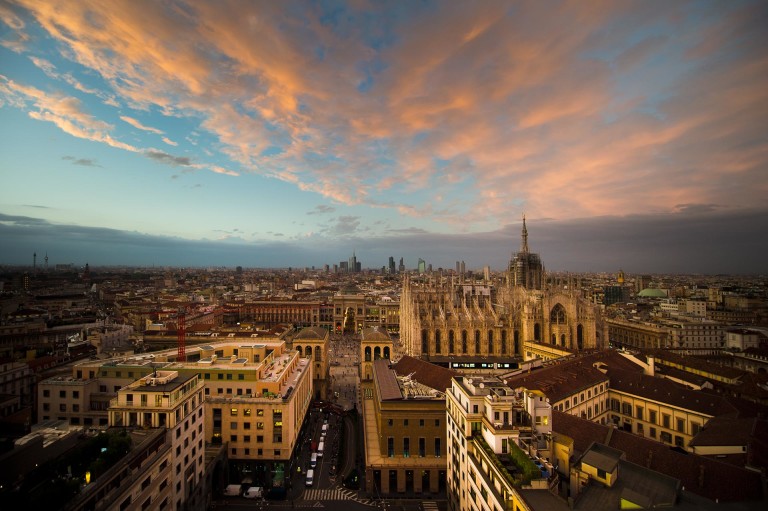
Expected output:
(651, 292)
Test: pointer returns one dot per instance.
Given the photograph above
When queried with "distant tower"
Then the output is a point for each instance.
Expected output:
(46, 261)
(34, 261)
(525, 268)
(181, 335)
(620, 277)
(422, 266)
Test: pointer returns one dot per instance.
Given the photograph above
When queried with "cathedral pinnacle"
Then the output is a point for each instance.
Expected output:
(524, 246)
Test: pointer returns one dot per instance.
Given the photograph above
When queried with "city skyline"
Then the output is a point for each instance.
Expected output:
(293, 133)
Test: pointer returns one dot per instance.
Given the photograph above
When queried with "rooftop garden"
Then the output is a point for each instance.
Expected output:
(524, 470)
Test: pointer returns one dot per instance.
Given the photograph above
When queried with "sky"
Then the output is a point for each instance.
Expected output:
(632, 135)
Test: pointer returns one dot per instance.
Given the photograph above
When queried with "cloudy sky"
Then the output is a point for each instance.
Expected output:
(631, 134)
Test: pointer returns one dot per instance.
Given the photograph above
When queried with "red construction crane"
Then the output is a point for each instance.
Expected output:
(181, 335)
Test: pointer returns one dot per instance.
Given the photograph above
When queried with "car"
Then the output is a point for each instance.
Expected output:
(313, 460)
(310, 477)
(254, 492)
(320, 449)
(233, 490)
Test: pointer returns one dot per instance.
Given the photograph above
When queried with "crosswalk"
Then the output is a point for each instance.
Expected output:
(312, 497)
(328, 494)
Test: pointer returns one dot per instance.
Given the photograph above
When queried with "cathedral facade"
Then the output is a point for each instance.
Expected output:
(483, 324)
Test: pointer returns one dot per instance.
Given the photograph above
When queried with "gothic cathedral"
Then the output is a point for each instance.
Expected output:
(451, 321)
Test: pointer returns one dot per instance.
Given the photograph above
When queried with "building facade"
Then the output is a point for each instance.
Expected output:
(496, 437)
(404, 428)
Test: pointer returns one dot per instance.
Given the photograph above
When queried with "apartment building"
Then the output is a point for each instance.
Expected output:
(172, 402)
(574, 386)
(255, 398)
(73, 400)
(637, 334)
(612, 388)
(498, 447)
(660, 409)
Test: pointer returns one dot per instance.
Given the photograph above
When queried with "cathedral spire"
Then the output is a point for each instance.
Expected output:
(524, 246)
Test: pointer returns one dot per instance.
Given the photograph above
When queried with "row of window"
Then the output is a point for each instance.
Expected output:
(406, 422)
(62, 394)
(247, 452)
(406, 452)
(464, 341)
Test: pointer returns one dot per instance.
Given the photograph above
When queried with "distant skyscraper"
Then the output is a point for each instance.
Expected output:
(463, 268)
(392, 268)
(458, 268)
(401, 267)
(353, 264)
(422, 266)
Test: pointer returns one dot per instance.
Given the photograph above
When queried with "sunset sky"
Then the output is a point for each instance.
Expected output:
(631, 134)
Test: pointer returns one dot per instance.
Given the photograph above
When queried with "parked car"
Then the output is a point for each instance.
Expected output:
(233, 490)
(254, 492)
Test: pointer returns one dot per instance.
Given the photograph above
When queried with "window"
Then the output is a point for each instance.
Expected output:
(422, 447)
(421, 422)
(233, 411)
(652, 416)
(437, 423)
(437, 447)
(406, 447)
(391, 447)
(681, 425)
(665, 437)
(665, 420)
(639, 412)
(390, 422)
(405, 422)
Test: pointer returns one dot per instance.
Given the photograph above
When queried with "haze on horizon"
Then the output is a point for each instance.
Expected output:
(632, 135)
